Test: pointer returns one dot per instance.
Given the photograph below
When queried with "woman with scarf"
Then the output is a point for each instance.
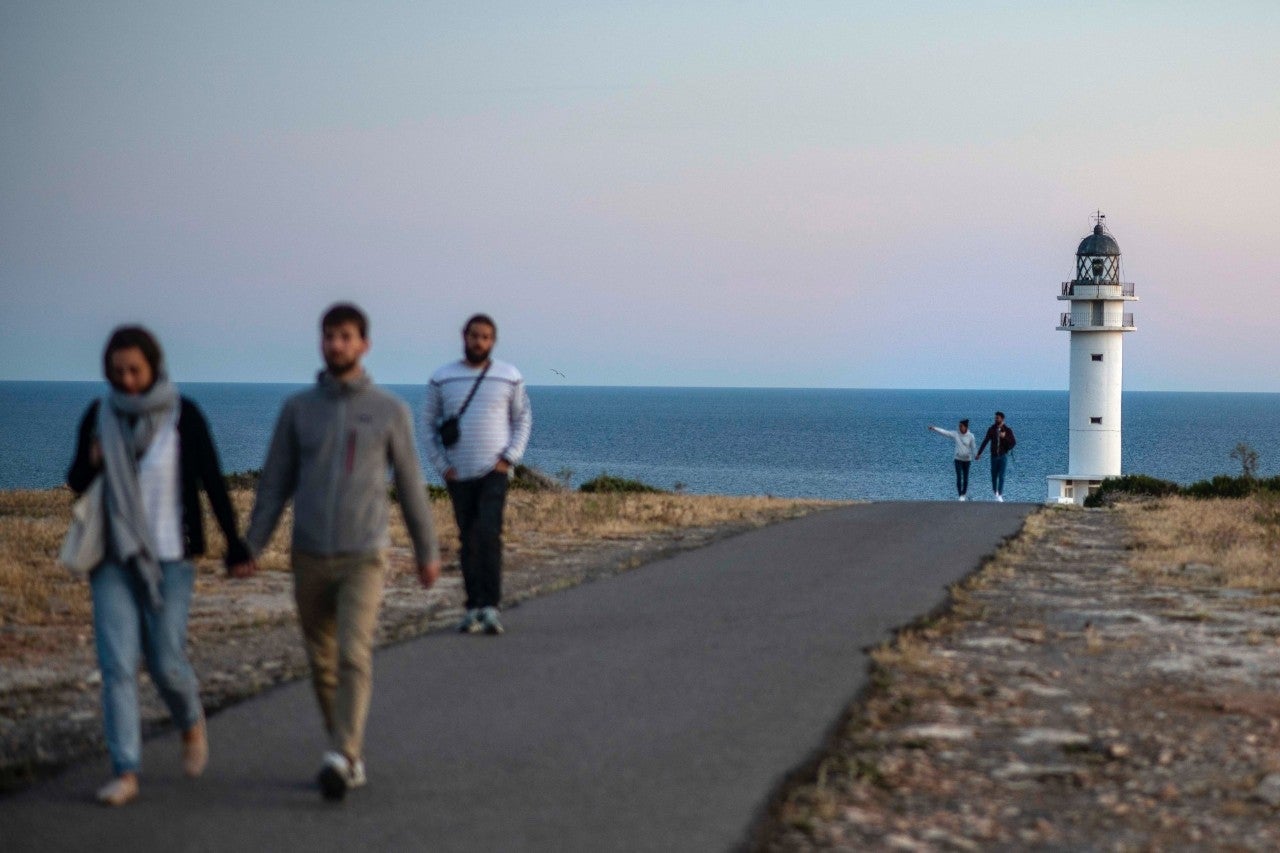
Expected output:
(155, 451)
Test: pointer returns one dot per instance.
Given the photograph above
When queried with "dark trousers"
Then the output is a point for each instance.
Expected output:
(477, 507)
(962, 476)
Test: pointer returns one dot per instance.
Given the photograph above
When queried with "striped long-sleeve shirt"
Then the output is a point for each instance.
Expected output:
(495, 426)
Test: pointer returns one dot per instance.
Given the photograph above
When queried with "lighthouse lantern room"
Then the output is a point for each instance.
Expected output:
(1097, 322)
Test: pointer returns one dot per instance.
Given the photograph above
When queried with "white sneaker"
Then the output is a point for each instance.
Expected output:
(999, 498)
(962, 498)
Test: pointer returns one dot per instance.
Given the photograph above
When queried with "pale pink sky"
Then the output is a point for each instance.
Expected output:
(739, 193)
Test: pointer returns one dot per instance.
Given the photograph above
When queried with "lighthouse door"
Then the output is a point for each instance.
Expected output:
(1097, 314)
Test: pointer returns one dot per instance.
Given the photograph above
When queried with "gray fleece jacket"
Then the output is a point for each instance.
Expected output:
(329, 453)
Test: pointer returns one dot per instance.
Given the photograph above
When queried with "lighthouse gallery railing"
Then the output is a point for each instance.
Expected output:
(1127, 288)
(1069, 322)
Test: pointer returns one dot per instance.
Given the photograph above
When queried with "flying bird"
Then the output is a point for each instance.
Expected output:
(558, 373)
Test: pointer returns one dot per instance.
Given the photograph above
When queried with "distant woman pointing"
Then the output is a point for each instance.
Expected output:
(966, 449)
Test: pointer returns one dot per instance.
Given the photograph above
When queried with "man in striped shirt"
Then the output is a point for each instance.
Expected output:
(494, 420)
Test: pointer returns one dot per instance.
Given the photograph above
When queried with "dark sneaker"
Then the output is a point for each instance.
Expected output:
(490, 622)
(471, 623)
(337, 775)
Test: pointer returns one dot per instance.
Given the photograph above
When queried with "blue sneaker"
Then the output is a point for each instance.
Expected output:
(470, 623)
(490, 622)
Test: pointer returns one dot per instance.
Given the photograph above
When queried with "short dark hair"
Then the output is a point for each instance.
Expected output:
(345, 312)
(964, 422)
(999, 414)
(484, 319)
(133, 337)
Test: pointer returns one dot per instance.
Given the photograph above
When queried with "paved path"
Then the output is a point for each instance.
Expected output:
(656, 710)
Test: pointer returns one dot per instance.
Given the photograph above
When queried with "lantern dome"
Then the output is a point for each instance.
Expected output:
(1099, 244)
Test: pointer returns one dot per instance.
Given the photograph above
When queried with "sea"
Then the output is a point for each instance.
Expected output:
(861, 444)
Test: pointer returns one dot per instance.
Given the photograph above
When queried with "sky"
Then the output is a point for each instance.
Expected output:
(800, 194)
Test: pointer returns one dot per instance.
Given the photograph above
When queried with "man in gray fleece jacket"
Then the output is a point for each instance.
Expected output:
(329, 454)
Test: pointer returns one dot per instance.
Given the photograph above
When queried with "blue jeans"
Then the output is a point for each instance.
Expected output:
(998, 464)
(125, 628)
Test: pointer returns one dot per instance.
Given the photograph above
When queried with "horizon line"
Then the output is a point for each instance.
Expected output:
(99, 381)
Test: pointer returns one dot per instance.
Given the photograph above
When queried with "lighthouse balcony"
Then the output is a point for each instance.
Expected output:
(1099, 290)
(1073, 324)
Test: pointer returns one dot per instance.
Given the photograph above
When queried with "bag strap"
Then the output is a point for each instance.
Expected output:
(474, 388)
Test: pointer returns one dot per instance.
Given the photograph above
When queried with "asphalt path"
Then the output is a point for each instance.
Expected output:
(655, 710)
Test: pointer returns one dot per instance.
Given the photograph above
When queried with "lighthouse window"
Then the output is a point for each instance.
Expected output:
(1097, 356)
(1095, 420)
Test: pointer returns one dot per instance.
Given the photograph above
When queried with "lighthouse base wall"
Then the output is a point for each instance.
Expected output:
(1065, 489)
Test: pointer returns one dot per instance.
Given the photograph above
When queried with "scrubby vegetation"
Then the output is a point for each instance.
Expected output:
(608, 484)
(1221, 486)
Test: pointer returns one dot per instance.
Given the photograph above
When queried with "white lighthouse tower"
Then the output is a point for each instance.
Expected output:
(1097, 322)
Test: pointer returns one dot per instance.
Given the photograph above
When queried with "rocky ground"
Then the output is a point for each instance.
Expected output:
(1064, 702)
(244, 636)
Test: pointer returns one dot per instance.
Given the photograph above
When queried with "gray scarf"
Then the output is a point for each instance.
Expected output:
(126, 425)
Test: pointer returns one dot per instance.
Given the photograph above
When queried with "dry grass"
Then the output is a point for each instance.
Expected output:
(1237, 541)
(37, 593)
(34, 589)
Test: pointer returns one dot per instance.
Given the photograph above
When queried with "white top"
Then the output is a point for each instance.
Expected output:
(160, 482)
(966, 445)
(495, 426)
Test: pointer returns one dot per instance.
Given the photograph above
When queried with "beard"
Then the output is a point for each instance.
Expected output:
(338, 365)
(476, 355)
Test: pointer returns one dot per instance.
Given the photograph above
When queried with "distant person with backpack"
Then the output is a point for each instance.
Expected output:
(1000, 437)
(965, 451)
(478, 423)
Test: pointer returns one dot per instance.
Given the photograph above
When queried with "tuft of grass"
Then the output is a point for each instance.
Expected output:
(608, 484)
(244, 480)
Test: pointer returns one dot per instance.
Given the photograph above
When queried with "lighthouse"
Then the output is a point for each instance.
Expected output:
(1097, 323)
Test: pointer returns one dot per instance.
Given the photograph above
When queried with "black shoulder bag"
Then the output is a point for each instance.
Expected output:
(448, 429)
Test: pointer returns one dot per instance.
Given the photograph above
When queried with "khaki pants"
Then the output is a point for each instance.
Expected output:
(338, 599)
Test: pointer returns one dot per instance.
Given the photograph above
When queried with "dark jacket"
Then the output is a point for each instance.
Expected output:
(999, 446)
(198, 460)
